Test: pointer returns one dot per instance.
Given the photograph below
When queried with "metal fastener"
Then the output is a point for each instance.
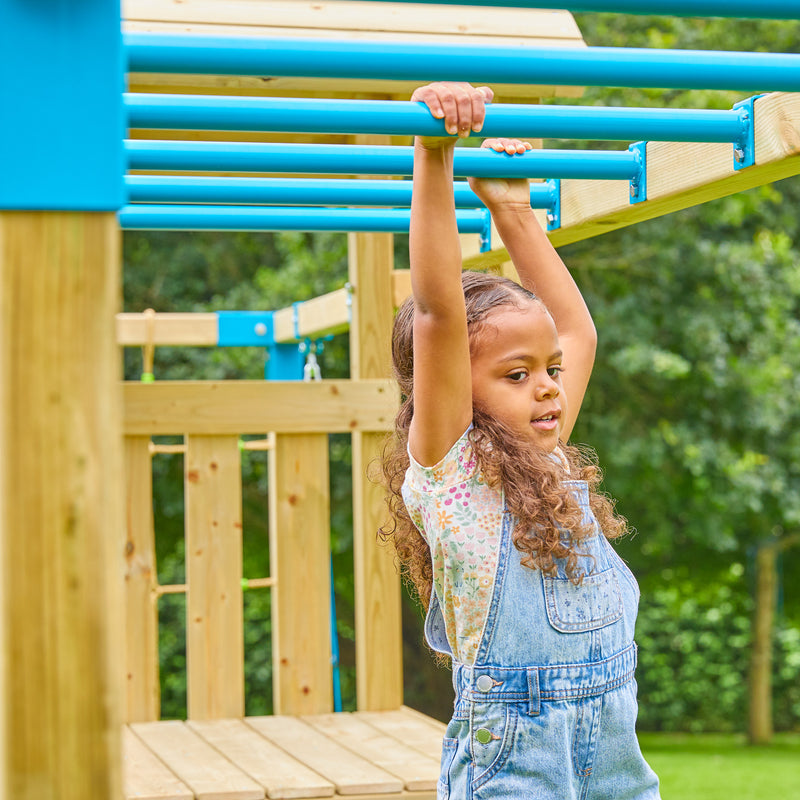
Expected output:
(484, 683)
(483, 736)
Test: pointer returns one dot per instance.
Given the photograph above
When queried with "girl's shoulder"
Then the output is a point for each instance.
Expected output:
(458, 466)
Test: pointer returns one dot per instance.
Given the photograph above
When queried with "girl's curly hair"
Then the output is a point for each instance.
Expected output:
(531, 479)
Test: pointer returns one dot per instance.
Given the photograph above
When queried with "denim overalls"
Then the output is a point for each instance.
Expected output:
(548, 712)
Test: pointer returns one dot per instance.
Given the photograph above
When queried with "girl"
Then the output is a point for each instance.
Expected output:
(496, 520)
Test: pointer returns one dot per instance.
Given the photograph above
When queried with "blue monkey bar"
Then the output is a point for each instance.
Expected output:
(404, 118)
(226, 218)
(769, 9)
(298, 191)
(590, 66)
(373, 160)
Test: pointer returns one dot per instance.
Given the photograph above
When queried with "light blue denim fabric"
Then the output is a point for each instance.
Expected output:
(548, 711)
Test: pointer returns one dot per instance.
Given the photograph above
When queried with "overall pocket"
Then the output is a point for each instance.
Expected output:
(493, 728)
(594, 603)
(449, 747)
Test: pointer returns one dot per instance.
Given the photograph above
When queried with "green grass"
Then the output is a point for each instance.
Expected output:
(722, 767)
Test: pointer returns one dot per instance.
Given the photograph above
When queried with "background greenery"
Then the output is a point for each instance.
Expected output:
(692, 409)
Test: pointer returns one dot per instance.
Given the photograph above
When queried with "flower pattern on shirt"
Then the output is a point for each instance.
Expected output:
(461, 519)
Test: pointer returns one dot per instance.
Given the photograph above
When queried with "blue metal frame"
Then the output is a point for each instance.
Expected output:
(744, 149)
(61, 92)
(296, 191)
(372, 160)
(554, 209)
(300, 115)
(373, 60)
(638, 190)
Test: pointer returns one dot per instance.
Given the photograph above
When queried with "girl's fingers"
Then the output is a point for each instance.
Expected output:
(510, 146)
(460, 105)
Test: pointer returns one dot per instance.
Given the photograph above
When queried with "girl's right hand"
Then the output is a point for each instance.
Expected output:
(495, 192)
(460, 105)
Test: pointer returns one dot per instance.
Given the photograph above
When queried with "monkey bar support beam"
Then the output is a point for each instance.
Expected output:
(351, 59)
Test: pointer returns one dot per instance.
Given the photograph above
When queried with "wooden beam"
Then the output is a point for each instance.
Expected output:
(167, 329)
(320, 316)
(142, 689)
(379, 653)
(235, 407)
(214, 623)
(61, 521)
(299, 531)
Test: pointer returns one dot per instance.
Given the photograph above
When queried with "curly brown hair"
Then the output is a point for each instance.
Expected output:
(532, 481)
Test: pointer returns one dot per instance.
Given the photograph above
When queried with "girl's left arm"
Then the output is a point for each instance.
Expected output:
(542, 272)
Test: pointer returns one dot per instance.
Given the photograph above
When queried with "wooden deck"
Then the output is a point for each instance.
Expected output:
(361, 755)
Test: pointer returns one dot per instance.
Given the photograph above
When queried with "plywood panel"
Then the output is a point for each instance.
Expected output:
(214, 623)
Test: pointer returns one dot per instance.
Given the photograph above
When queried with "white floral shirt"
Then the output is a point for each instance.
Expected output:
(461, 519)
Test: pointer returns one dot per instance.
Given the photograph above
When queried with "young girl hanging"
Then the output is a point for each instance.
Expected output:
(496, 520)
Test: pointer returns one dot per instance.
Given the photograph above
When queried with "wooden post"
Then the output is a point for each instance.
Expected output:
(379, 652)
(299, 531)
(143, 693)
(60, 505)
(214, 617)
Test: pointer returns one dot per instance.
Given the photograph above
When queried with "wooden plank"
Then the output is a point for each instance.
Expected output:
(350, 773)
(168, 329)
(214, 619)
(379, 656)
(320, 316)
(237, 407)
(61, 518)
(281, 775)
(143, 693)
(195, 762)
(418, 771)
(299, 508)
(343, 15)
(144, 776)
(419, 732)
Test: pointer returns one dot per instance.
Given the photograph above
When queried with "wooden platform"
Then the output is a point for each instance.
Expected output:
(362, 755)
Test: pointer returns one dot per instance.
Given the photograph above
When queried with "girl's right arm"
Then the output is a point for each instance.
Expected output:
(442, 375)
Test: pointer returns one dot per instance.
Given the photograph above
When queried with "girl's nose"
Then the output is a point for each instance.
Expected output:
(548, 388)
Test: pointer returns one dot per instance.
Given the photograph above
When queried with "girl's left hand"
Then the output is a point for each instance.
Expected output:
(510, 191)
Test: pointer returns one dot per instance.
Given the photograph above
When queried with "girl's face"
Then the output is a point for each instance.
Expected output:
(516, 372)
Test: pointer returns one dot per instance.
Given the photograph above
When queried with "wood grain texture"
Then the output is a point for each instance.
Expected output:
(145, 776)
(379, 661)
(299, 505)
(237, 407)
(142, 689)
(61, 518)
(214, 620)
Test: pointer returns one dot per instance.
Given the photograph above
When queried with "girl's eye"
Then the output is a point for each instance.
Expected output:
(517, 376)
(554, 371)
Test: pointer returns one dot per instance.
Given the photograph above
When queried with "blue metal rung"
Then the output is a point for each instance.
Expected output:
(638, 189)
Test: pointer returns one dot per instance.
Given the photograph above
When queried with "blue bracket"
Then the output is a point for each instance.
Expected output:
(245, 328)
(486, 233)
(638, 188)
(744, 148)
(554, 209)
(285, 362)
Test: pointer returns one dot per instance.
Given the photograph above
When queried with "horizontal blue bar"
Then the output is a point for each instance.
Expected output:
(372, 160)
(744, 9)
(297, 191)
(409, 119)
(248, 218)
(371, 60)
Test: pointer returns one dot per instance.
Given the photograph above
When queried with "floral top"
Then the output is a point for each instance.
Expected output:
(461, 519)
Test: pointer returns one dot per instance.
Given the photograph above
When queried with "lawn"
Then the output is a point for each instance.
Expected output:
(720, 767)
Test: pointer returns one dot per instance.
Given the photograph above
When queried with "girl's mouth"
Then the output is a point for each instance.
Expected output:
(548, 422)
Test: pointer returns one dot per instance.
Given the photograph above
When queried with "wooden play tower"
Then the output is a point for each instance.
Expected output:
(79, 616)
